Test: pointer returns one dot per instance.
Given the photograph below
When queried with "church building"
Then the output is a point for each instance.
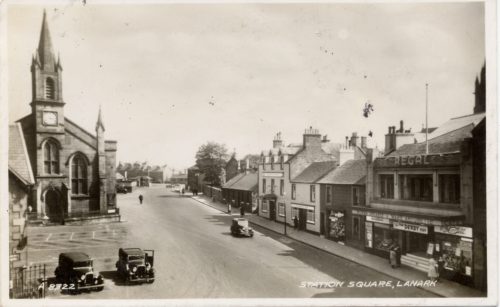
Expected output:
(74, 170)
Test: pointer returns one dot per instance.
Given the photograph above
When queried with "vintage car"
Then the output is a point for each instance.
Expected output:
(136, 265)
(240, 228)
(121, 189)
(76, 270)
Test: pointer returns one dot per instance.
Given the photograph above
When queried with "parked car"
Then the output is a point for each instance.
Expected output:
(121, 189)
(240, 227)
(136, 265)
(76, 270)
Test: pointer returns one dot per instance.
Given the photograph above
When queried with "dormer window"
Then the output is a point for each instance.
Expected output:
(49, 88)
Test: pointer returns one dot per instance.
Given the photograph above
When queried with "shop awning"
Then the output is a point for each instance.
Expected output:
(436, 218)
(299, 206)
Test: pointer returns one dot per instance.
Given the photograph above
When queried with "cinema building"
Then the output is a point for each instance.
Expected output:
(421, 200)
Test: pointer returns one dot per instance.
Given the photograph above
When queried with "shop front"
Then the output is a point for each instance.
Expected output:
(336, 226)
(453, 244)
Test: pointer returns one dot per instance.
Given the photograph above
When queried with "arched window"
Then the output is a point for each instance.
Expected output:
(49, 88)
(51, 158)
(78, 175)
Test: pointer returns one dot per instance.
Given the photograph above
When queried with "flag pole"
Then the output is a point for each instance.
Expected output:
(426, 119)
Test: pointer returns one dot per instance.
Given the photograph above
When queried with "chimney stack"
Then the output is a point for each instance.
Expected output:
(312, 138)
(363, 142)
(277, 142)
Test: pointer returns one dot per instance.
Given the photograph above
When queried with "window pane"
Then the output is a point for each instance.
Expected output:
(47, 167)
(55, 167)
(54, 152)
(416, 187)
(74, 186)
(449, 188)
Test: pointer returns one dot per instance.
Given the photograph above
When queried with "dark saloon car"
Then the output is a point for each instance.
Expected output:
(136, 265)
(76, 270)
(240, 228)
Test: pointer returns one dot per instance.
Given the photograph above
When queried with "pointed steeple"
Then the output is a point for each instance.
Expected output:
(45, 51)
(99, 121)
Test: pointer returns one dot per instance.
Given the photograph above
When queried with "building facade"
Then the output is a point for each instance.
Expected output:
(342, 190)
(74, 170)
(420, 199)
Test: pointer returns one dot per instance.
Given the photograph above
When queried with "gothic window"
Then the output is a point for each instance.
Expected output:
(51, 158)
(78, 175)
(49, 88)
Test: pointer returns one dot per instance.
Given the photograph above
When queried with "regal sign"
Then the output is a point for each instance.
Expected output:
(418, 160)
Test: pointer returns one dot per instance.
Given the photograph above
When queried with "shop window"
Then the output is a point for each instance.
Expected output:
(282, 187)
(386, 183)
(355, 196)
(337, 226)
(456, 253)
(263, 186)
(383, 237)
(449, 188)
(328, 194)
(310, 216)
(294, 191)
(272, 185)
(356, 227)
(281, 209)
(415, 187)
(265, 206)
(312, 191)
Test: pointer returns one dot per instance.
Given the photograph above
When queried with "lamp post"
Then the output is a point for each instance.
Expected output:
(284, 203)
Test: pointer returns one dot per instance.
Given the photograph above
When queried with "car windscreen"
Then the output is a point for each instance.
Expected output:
(135, 258)
(82, 264)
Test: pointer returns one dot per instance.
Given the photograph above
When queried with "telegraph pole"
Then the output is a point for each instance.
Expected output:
(426, 118)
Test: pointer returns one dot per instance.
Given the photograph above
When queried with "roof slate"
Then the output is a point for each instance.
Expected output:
(315, 171)
(243, 181)
(19, 162)
(351, 172)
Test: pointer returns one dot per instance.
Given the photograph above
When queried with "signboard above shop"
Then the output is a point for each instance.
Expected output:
(418, 161)
(411, 227)
(454, 230)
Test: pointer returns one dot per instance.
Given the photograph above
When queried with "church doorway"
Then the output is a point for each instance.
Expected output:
(53, 206)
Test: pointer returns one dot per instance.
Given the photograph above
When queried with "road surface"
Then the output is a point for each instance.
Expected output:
(196, 256)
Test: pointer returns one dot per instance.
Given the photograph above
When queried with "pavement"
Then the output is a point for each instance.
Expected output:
(444, 288)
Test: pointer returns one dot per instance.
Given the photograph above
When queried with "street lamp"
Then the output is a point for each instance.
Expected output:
(284, 203)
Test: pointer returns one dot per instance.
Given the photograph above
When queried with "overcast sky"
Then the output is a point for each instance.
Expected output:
(171, 77)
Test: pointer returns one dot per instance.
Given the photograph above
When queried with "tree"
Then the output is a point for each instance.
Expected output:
(210, 159)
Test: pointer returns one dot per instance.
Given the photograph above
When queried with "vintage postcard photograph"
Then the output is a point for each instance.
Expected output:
(248, 153)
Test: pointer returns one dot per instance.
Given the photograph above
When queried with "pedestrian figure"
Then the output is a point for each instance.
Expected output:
(182, 191)
(140, 198)
(440, 264)
(229, 208)
(432, 270)
(393, 258)
(242, 210)
(295, 222)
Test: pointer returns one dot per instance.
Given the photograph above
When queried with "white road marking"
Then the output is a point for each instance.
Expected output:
(48, 238)
(71, 237)
(93, 235)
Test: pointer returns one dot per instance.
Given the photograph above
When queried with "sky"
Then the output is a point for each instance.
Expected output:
(170, 77)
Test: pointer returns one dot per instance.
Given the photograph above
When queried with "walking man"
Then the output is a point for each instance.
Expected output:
(140, 198)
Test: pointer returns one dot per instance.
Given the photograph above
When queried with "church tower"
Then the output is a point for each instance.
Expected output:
(47, 101)
(480, 92)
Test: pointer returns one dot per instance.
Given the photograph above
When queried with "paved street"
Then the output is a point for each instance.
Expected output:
(196, 257)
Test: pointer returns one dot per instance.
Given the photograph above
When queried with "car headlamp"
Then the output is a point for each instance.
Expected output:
(134, 269)
(83, 277)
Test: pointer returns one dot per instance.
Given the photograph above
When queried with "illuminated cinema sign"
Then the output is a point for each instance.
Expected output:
(411, 160)
(419, 160)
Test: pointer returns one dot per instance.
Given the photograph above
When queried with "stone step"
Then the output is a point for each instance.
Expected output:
(415, 265)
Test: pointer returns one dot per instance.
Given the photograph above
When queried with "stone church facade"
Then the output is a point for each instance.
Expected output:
(74, 170)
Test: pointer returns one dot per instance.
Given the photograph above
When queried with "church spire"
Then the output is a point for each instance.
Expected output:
(45, 52)
(99, 121)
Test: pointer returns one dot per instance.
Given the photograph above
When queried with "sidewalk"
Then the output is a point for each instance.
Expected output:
(443, 288)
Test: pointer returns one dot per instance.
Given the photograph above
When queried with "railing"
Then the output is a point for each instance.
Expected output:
(28, 282)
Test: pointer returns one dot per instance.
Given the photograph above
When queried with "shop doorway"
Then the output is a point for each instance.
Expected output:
(272, 210)
(416, 243)
(302, 219)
